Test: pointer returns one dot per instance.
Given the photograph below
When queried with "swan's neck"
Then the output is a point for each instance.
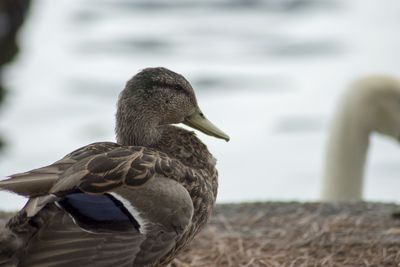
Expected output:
(345, 157)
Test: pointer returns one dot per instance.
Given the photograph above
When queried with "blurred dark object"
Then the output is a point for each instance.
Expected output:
(12, 15)
(396, 215)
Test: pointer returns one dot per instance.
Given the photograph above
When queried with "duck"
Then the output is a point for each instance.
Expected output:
(370, 105)
(134, 202)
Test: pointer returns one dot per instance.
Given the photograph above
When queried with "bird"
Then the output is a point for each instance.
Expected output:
(134, 202)
(370, 105)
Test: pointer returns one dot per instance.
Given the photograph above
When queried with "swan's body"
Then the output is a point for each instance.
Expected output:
(136, 202)
(370, 105)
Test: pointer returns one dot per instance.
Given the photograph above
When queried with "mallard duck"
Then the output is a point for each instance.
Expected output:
(370, 105)
(136, 202)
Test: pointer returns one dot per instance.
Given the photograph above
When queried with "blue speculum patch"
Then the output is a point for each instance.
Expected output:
(98, 212)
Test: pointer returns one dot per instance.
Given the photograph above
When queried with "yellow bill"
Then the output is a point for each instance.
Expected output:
(198, 121)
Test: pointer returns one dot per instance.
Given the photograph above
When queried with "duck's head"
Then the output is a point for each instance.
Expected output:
(158, 96)
(377, 100)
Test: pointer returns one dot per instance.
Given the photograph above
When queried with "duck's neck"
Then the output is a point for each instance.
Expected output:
(136, 127)
(345, 157)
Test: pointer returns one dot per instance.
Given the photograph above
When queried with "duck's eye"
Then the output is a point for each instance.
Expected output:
(178, 87)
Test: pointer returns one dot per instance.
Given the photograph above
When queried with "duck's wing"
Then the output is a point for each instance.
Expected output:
(97, 168)
(103, 199)
(129, 167)
(161, 211)
(38, 182)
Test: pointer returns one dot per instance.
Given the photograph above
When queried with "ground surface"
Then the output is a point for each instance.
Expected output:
(297, 234)
(294, 234)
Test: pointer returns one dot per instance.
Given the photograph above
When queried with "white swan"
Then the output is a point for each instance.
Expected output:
(372, 104)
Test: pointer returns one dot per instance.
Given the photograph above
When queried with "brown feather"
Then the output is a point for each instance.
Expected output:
(29, 185)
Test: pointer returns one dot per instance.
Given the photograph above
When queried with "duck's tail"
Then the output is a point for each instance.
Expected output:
(32, 183)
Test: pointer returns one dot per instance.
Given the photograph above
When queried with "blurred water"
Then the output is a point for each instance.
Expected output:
(266, 72)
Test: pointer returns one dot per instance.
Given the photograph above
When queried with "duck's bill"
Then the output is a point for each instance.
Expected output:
(198, 121)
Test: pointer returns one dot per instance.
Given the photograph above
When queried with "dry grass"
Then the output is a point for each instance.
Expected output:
(294, 234)
(297, 235)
